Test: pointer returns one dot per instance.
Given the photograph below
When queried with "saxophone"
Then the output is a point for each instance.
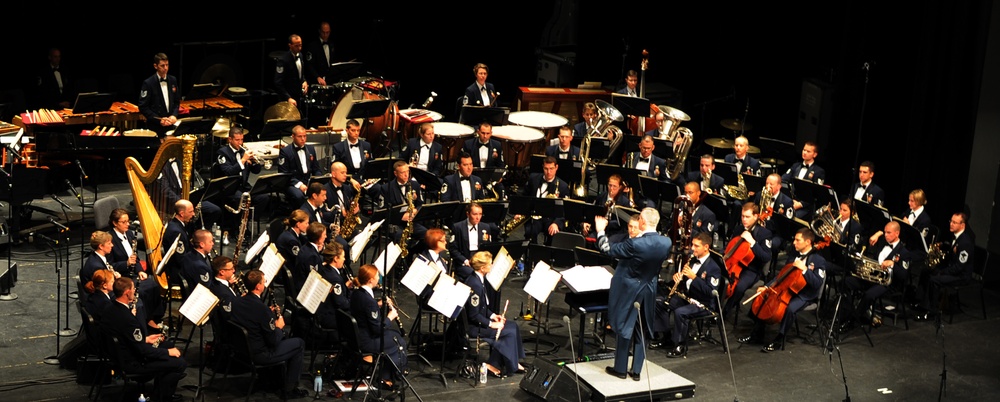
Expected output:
(408, 230)
(351, 220)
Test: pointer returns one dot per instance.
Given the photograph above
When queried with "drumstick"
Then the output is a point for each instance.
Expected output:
(502, 315)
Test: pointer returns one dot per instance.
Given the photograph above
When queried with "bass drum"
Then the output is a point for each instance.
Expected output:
(380, 130)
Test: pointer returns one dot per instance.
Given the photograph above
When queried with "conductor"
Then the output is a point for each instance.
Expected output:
(633, 285)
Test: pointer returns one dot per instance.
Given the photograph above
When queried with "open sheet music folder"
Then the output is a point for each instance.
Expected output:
(199, 305)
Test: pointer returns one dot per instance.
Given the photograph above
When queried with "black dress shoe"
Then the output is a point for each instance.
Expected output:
(752, 339)
(659, 344)
(678, 351)
(923, 317)
(635, 376)
(176, 397)
(611, 370)
(775, 345)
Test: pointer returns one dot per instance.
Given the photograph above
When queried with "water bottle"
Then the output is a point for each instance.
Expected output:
(142, 398)
(482, 373)
(465, 100)
(520, 267)
(318, 382)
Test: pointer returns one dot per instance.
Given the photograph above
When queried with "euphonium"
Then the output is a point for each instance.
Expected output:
(766, 198)
(603, 127)
(739, 191)
(935, 254)
(825, 225)
(870, 270)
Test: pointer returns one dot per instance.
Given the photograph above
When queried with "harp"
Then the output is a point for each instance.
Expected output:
(146, 207)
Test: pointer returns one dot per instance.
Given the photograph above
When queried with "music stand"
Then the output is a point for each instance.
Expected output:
(205, 91)
(321, 179)
(442, 211)
(582, 211)
(718, 205)
(276, 129)
(728, 173)
(92, 102)
(786, 227)
(600, 149)
(547, 207)
(216, 187)
(270, 183)
(631, 105)
(194, 125)
(473, 115)
(657, 190)
(493, 212)
(815, 194)
(872, 218)
(783, 150)
(753, 183)
(340, 72)
(380, 168)
(591, 258)
(489, 175)
(368, 108)
(911, 236)
(430, 182)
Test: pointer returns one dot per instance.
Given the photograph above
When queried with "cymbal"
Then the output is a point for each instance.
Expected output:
(772, 161)
(719, 142)
(736, 125)
(753, 150)
(221, 128)
(282, 111)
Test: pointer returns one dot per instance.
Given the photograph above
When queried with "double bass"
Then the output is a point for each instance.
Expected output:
(638, 124)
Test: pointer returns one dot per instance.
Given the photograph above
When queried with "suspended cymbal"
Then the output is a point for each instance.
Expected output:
(753, 150)
(221, 128)
(282, 111)
(719, 143)
(772, 161)
(736, 125)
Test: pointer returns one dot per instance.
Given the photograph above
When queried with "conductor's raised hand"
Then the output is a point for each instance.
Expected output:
(600, 223)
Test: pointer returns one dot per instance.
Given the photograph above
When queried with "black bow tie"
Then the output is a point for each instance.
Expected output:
(355, 145)
(163, 80)
(324, 43)
(472, 228)
(465, 178)
(481, 145)
(644, 160)
(695, 262)
(740, 161)
(55, 68)
(297, 149)
(864, 187)
(805, 166)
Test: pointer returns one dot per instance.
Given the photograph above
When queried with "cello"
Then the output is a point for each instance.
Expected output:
(769, 306)
(738, 255)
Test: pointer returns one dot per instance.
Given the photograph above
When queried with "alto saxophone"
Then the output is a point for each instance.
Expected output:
(405, 237)
(351, 220)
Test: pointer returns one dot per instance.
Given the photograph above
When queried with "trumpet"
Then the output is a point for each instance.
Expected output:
(253, 158)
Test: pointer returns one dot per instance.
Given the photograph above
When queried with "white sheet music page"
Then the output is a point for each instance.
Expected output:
(502, 264)
(361, 239)
(448, 295)
(199, 304)
(585, 279)
(542, 281)
(270, 263)
(393, 251)
(420, 275)
(258, 245)
(170, 253)
(313, 292)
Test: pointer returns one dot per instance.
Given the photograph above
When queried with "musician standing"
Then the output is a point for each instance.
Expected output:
(299, 159)
(355, 153)
(759, 240)
(813, 268)
(292, 74)
(631, 81)
(634, 281)
(55, 86)
(697, 281)
(507, 349)
(565, 148)
(480, 93)
(266, 337)
(159, 100)
(647, 163)
(320, 52)
(545, 185)
(423, 153)
(864, 189)
(891, 254)
(957, 266)
(463, 186)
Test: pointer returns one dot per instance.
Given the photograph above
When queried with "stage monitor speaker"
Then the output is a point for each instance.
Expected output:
(815, 113)
(8, 277)
(553, 382)
(71, 352)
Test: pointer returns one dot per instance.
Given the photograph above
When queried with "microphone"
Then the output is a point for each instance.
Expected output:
(72, 188)
(60, 201)
(80, 166)
(642, 340)
(725, 340)
(46, 238)
(62, 228)
(572, 350)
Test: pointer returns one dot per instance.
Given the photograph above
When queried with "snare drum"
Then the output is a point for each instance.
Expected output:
(540, 120)
(323, 96)
(452, 135)
(371, 128)
(520, 143)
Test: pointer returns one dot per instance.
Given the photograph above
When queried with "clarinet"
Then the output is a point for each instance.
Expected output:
(133, 269)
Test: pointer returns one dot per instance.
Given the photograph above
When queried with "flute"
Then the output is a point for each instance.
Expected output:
(502, 315)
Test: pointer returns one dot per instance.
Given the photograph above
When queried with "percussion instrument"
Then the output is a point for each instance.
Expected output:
(372, 128)
(216, 106)
(323, 96)
(719, 143)
(282, 111)
(451, 136)
(413, 118)
(753, 150)
(140, 133)
(540, 120)
(520, 143)
(736, 125)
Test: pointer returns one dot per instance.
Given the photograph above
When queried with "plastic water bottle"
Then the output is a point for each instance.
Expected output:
(142, 398)
(482, 373)
(520, 267)
(465, 100)
(318, 382)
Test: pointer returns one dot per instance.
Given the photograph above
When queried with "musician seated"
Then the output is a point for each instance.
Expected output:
(437, 254)
(957, 266)
(180, 230)
(124, 258)
(101, 243)
(376, 331)
(702, 219)
(850, 236)
(463, 185)
(587, 120)
(343, 196)
(170, 186)
(266, 336)
(758, 241)
(617, 194)
(234, 160)
(813, 272)
(891, 254)
(485, 152)
(291, 240)
(400, 192)
(645, 162)
(315, 205)
(309, 258)
(917, 216)
(772, 201)
(805, 170)
(545, 185)
(354, 153)
(299, 159)
(469, 234)
(864, 190)
(710, 182)
(423, 152)
(693, 298)
(334, 257)
(99, 293)
(744, 162)
(507, 349)
(565, 148)
(222, 287)
(197, 262)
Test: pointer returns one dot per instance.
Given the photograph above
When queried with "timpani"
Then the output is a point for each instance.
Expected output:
(413, 118)
(520, 142)
(451, 136)
(547, 122)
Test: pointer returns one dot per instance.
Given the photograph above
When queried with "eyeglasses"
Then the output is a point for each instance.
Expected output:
(122, 221)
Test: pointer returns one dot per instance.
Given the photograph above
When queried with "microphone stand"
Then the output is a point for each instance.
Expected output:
(9, 230)
(67, 331)
(831, 344)
(725, 343)
(642, 343)
(576, 373)
(864, 105)
(83, 208)
(943, 387)
(54, 359)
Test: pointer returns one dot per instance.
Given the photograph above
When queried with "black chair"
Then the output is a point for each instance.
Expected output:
(702, 326)
(317, 335)
(351, 349)
(975, 283)
(93, 335)
(470, 349)
(115, 352)
(241, 353)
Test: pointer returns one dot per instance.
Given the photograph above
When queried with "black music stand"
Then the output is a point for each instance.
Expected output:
(194, 125)
(631, 105)
(728, 173)
(816, 195)
(872, 218)
(912, 237)
(493, 212)
(754, 183)
(590, 258)
(489, 175)
(783, 150)
(368, 108)
(429, 182)
(380, 168)
(786, 228)
(215, 188)
(276, 129)
(569, 170)
(581, 211)
(473, 115)
(341, 72)
(205, 91)
(321, 179)
(658, 191)
(92, 102)
(524, 205)
(270, 183)
(442, 211)
(600, 149)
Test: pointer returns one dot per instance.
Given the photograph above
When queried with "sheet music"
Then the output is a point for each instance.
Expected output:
(393, 250)
(362, 239)
(585, 279)
(313, 292)
(261, 242)
(542, 281)
(170, 253)
(270, 263)
(502, 264)
(420, 275)
(199, 305)
(448, 296)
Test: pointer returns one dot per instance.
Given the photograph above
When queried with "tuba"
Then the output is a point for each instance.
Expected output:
(825, 225)
(682, 137)
(603, 127)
